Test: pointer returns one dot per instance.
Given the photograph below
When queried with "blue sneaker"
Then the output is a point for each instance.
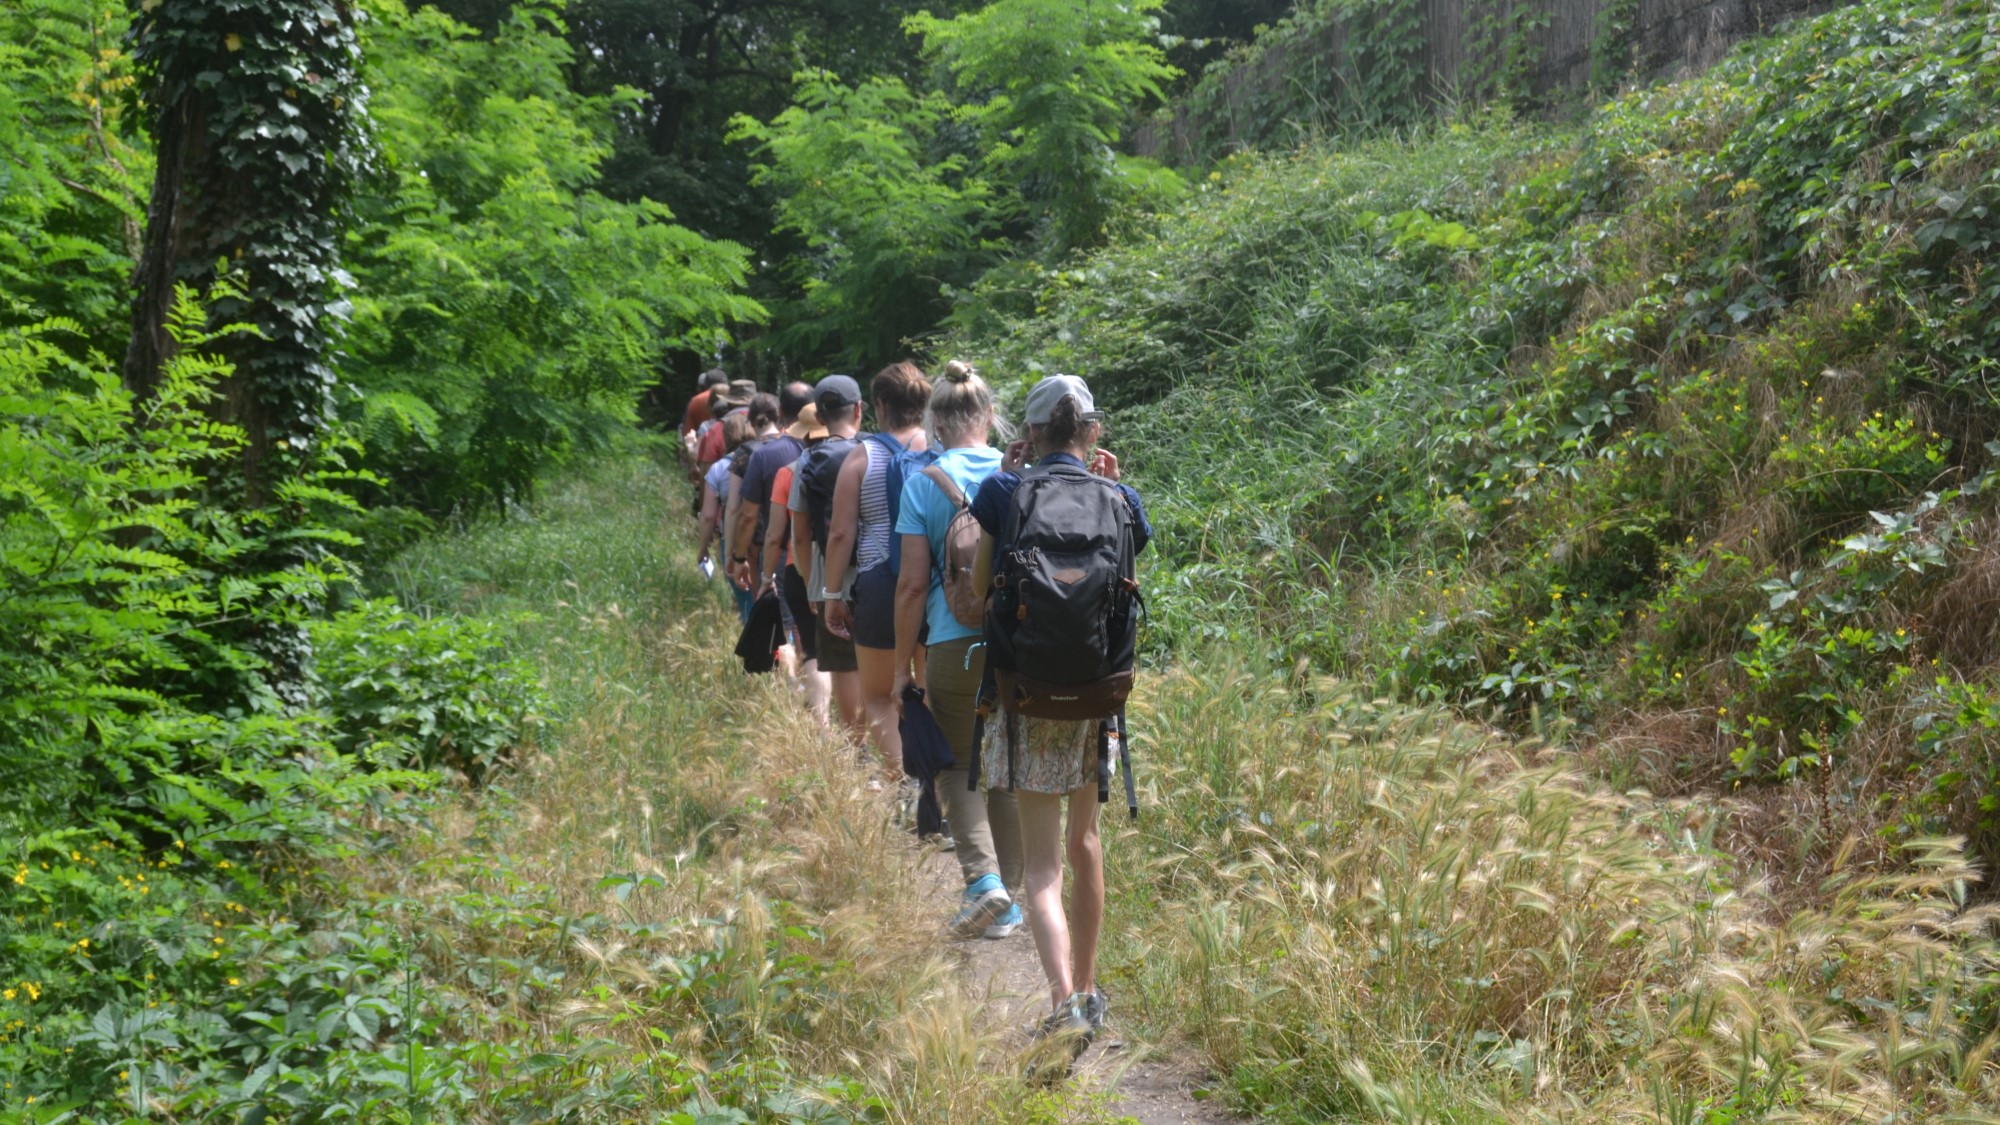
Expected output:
(985, 900)
(1006, 924)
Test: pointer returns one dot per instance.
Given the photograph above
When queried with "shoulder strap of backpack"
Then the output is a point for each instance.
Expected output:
(889, 444)
(944, 482)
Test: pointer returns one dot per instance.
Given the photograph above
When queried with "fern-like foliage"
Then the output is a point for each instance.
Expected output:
(114, 576)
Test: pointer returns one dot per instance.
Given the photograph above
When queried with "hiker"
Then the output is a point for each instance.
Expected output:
(715, 484)
(838, 401)
(753, 514)
(1048, 762)
(800, 656)
(700, 409)
(861, 562)
(983, 823)
(709, 447)
(762, 414)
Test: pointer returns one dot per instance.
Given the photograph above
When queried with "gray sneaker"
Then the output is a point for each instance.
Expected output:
(1096, 1009)
(1060, 1040)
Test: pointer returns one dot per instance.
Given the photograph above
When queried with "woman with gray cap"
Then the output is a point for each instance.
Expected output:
(1053, 763)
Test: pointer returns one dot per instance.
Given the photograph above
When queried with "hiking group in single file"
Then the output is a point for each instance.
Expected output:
(962, 600)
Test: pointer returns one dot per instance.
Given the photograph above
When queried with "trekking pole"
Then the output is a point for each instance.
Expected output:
(1125, 767)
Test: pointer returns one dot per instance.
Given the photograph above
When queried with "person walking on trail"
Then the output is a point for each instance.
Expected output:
(983, 823)
(860, 550)
(800, 659)
(753, 516)
(700, 408)
(1053, 763)
(837, 398)
(715, 483)
(762, 415)
(722, 401)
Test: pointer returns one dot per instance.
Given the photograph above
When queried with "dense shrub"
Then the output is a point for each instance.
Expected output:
(1671, 424)
(436, 694)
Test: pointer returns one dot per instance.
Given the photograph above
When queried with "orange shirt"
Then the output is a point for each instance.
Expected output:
(697, 412)
(781, 496)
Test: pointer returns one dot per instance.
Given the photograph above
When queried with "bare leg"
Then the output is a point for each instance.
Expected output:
(818, 689)
(1086, 895)
(847, 699)
(1041, 817)
(878, 679)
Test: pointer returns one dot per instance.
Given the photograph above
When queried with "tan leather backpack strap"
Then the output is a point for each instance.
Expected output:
(943, 480)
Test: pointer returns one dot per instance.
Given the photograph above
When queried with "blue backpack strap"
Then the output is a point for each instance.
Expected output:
(900, 463)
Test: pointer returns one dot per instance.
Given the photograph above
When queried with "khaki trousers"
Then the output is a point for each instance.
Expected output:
(986, 825)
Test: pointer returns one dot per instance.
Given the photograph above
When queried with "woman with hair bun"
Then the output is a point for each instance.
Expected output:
(959, 419)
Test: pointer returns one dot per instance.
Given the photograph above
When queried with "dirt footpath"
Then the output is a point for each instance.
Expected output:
(1143, 1081)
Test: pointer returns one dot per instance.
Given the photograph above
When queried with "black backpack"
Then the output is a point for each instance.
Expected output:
(1061, 626)
(817, 477)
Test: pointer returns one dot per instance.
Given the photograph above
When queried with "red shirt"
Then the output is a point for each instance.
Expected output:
(713, 446)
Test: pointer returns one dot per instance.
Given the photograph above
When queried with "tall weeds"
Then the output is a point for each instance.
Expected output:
(684, 897)
(1353, 907)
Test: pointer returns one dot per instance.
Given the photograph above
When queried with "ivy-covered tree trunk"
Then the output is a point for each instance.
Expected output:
(255, 107)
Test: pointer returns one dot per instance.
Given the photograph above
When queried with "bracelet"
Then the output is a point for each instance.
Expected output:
(739, 558)
(827, 595)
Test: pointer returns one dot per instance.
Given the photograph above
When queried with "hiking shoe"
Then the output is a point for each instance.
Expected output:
(1060, 1040)
(1096, 1009)
(984, 900)
(1006, 925)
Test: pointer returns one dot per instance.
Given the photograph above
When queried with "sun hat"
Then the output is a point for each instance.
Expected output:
(807, 427)
(1046, 394)
(739, 392)
(836, 391)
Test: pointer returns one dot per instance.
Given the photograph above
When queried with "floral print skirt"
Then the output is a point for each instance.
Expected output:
(1055, 755)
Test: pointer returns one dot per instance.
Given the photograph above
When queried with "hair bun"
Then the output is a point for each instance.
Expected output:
(959, 371)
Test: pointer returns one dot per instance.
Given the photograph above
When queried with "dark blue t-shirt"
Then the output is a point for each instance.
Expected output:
(995, 500)
(759, 474)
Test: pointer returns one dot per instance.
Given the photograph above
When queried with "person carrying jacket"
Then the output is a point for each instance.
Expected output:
(983, 823)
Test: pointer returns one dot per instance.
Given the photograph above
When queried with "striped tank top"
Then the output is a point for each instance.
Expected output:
(876, 538)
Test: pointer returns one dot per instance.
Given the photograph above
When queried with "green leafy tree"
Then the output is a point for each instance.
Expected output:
(1055, 83)
(890, 229)
(71, 185)
(508, 313)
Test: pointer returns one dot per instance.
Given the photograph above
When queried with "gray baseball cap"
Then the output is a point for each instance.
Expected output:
(836, 392)
(1046, 394)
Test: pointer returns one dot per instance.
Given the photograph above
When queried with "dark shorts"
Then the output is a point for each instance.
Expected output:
(836, 654)
(875, 608)
(792, 589)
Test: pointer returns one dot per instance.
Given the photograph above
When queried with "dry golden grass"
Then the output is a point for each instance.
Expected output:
(1354, 908)
(770, 916)
(1348, 908)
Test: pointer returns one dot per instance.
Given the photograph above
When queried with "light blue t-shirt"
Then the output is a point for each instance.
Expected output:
(926, 512)
(718, 479)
